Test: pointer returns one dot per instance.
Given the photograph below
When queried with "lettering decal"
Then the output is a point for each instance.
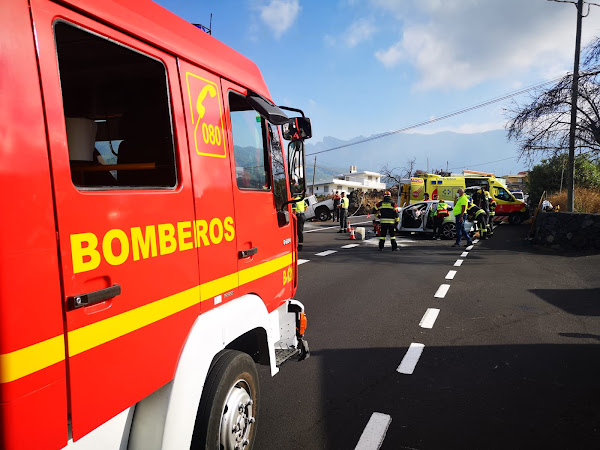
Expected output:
(117, 246)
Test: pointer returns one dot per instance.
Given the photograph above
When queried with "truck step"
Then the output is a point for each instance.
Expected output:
(283, 355)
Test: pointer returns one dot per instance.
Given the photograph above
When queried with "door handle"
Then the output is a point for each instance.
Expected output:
(246, 253)
(79, 301)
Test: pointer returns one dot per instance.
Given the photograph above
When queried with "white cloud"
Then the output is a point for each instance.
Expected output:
(392, 56)
(462, 43)
(280, 15)
(358, 32)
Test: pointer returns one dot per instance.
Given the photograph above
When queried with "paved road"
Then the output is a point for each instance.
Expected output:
(511, 361)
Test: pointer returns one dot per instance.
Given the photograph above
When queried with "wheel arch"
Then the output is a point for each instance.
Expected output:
(166, 418)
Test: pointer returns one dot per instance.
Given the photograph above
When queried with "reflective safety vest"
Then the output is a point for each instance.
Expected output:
(442, 209)
(386, 210)
(345, 202)
(299, 206)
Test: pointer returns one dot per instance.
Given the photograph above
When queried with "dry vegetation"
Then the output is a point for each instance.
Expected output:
(586, 200)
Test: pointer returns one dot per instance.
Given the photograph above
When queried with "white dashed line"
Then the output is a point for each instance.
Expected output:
(302, 261)
(458, 263)
(475, 241)
(374, 433)
(326, 252)
(350, 245)
(450, 275)
(429, 318)
(410, 360)
(469, 248)
(442, 291)
(464, 254)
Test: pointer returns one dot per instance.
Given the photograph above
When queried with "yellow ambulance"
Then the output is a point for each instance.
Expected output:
(508, 208)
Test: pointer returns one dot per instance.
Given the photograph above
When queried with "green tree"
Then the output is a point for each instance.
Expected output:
(550, 175)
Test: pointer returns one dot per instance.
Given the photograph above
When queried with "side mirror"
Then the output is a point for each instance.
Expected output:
(297, 128)
(296, 168)
(266, 109)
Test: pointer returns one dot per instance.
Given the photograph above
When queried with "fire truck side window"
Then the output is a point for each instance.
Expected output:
(117, 114)
(250, 147)
(278, 169)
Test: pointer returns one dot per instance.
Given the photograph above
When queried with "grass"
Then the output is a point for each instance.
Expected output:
(586, 200)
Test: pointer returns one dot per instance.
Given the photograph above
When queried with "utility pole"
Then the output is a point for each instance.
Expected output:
(574, 91)
(314, 170)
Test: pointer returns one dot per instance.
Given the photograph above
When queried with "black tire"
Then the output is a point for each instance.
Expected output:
(232, 381)
(449, 230)
(516, 219)
(323, 214)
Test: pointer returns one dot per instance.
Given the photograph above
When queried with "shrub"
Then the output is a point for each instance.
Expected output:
(586, 200)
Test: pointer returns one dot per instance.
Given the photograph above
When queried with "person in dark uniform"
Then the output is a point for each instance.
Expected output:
(478, 215)
(336, 206)
(388, 218)
(299, 207)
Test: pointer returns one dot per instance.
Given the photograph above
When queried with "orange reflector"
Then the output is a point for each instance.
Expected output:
(302, 323)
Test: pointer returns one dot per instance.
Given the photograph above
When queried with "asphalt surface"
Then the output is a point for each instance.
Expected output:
(511, 361)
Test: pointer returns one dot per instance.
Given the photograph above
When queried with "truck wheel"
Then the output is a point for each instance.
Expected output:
(449, 230)
(516, 219)
(229, 405)
(323, 214)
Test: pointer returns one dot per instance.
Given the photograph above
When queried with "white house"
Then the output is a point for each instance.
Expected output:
(348, 182)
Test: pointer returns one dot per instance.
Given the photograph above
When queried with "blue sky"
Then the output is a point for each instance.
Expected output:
(362, 67)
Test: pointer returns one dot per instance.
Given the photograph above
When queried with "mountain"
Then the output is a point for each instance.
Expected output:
(489, 152)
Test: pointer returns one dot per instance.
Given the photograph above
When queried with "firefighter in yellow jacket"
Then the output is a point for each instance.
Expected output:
(388, 219)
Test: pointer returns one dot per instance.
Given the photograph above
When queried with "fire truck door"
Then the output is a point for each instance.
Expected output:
(124, 207)
(265, 254)
(210, 155)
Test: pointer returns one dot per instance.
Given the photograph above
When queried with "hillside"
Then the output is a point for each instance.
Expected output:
(477, 151)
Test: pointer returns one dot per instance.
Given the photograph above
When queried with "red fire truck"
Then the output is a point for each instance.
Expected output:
(147, 246)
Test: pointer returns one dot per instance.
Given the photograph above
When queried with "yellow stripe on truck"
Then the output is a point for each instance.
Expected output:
(23, 362)
(28, 360)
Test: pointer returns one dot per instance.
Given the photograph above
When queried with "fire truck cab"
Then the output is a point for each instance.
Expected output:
(147, 246)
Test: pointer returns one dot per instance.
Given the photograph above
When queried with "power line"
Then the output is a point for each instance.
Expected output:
(483, 164)
(445, 116)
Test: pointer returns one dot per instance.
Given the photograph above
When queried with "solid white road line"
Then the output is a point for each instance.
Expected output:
(442, 291)
(469, 248)
(450, 275)
(350, 245)
(374, 433)
(464, 254)
(322, 229)
(335, 226)
(375, 241)
(410, 360)
(302, 261)
(429, 318)
(458, 263)
(326, 252)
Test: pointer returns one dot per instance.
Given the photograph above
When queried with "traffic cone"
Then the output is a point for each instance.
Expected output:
(349, 227)
(352, 233)
(368, 216)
